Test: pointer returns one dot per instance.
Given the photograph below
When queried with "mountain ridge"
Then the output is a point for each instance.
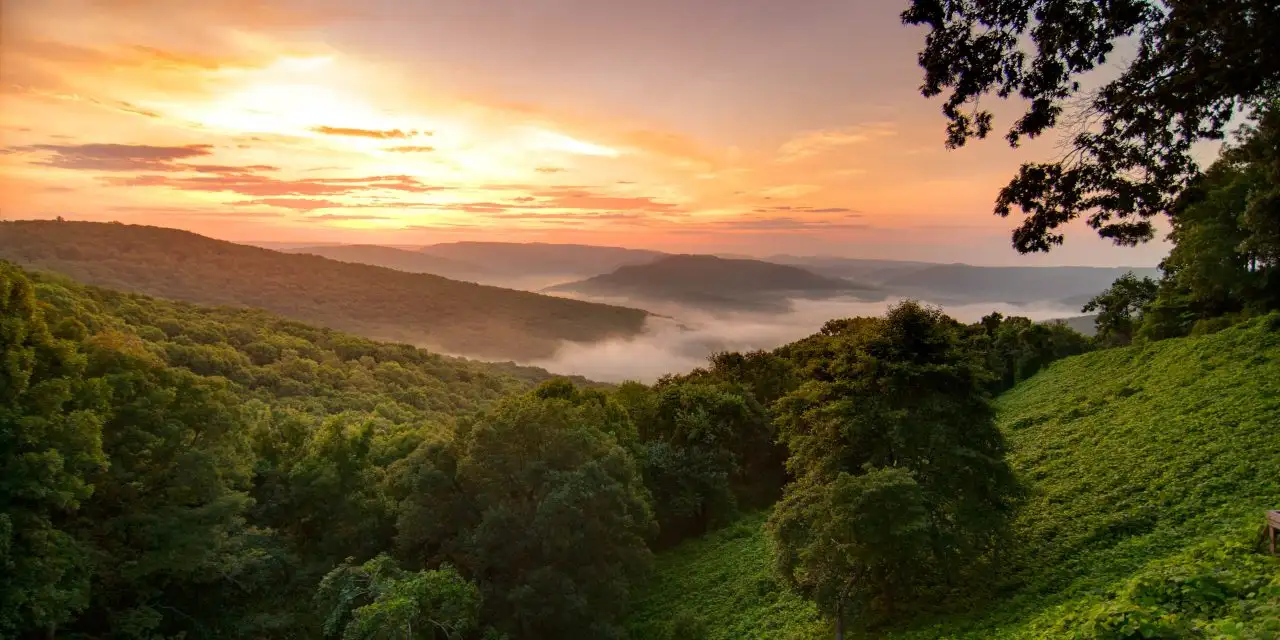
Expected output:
(454, 317)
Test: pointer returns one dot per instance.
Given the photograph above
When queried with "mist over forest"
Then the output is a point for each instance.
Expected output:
(680, 339)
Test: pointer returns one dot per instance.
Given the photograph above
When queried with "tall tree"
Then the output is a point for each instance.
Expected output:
(1120, 308)
(1197, 65)
(901, 484)
(1226, 237)
(539, 506)
(50, 444)
(166, 523)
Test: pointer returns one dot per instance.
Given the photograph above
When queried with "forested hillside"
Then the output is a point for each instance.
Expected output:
(542, 258)
(386, 304)
(1147, 472)
(171, 469)
(400, 260)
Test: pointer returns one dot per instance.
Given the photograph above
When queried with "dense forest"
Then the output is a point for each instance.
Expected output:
(1146, 470)
(386, 304)
(162, 457)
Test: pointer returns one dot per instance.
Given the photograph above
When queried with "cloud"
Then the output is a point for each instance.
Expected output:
(379, 134)
(297, 204)
(778, 224)
(250, 184)
(116, 157)
(812, 143)
(344, 217)
(411, 149)
(569, 198)
(549, 169)
(222, 168)
(194, 212)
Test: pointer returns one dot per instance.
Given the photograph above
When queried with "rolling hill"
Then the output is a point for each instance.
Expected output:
(1149, 469)
(716, 284)
(962, 283)
(400, 260)
(871, 271)
(425, 310)
(538, 258)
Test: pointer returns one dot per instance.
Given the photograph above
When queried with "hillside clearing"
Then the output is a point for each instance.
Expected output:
(1147, 466)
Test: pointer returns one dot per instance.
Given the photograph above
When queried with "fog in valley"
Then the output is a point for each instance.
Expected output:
(679, 340)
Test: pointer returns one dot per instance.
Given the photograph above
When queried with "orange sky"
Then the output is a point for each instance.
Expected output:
(752, 126)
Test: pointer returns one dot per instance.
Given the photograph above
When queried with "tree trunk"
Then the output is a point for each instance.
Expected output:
(839, 621)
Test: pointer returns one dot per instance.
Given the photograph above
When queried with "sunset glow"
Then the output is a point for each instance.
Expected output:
(415, 123)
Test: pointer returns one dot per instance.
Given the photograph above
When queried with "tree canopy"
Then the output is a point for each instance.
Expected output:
(1197, 65)
(900, 482)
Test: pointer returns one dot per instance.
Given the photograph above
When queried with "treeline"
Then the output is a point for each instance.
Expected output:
(171, 470)
(1224, 266)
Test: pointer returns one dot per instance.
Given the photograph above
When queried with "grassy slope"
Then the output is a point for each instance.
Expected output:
(384, 304)
(1137, 459)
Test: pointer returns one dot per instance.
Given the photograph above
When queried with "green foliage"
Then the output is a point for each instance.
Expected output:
(171, 469)
(379, 600)
(1224, 266)
(704, 445)
(1120, 309)
(891, 433)
(1148, 469)
(723, 583)
(1015, 348)
(537, 505)
(379, 303)
(1198, 64)
(50, 444)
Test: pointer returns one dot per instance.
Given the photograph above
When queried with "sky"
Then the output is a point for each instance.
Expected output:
(751, 127)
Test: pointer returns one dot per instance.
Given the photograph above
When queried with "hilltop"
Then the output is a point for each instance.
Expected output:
(713, 283)
(400, 260)
(1149, 468)
(541, 258)
(376, 302)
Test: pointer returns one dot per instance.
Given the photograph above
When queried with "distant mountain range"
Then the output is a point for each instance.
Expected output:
(962, 283)
(573, 269)
(401, 260)
(417, 308)
(718, 284)
(536, 258)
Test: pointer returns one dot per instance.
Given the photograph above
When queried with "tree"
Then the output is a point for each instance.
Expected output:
(1226, 228)
(538, 506)
(1015, 348)
(1198, 64)
(901, 485)
(166, 523)
(1120, 308)
(378, 600)
(50, 444)
(855, 544)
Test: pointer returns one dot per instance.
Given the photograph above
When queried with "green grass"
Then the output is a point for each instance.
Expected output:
(1149, 469)
(722, 582)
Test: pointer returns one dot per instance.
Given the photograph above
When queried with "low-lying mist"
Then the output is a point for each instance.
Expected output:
(682, 341)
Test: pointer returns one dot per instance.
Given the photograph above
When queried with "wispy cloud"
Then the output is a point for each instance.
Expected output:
(116, 157)
(379, 134)
(265, 186)
(296, 204)
(813, 143)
